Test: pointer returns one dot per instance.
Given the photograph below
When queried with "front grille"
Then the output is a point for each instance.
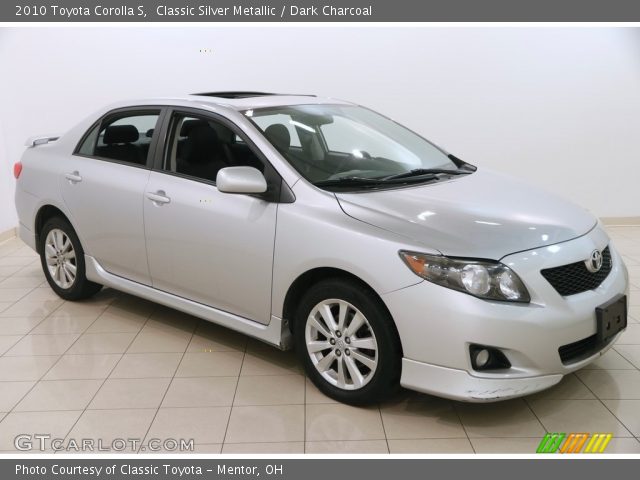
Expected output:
(575, 278)
(576, 351)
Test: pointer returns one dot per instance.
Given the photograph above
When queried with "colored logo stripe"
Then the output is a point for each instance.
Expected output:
(574, 443)
(550, 443)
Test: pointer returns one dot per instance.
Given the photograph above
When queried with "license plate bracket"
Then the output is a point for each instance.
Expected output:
(611, 318)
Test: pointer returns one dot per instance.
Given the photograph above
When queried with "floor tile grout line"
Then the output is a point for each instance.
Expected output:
(384, 430)
(605, 406)
(233, 400)
(464, 429)
(108, 375)
(195, 328)
(47, 371)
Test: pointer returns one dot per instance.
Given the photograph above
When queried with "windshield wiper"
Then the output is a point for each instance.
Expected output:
(419, 172)
(348, 181)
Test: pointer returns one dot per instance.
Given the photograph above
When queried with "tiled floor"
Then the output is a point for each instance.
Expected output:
(120, 367)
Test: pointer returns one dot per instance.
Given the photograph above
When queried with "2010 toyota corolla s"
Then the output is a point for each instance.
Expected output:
(320, 224)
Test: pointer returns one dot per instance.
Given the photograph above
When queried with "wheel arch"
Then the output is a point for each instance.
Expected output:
(311, 277)
(45, 212)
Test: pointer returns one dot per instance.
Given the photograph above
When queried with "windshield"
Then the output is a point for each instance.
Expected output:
(334, 145)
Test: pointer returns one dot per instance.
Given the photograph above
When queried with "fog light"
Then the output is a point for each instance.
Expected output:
(482, 357)
(487, 358)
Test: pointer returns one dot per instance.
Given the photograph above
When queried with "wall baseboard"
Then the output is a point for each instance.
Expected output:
(621, 221)
(6, 235)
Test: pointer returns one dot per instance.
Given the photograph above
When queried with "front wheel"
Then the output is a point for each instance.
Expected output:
(62, 261)
(348, 342)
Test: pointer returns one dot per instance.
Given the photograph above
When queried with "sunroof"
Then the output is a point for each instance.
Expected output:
(239, 94)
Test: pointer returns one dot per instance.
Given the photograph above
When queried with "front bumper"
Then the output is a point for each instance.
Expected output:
(437, 326)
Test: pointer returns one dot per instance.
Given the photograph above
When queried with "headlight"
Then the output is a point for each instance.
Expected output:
(480, 278)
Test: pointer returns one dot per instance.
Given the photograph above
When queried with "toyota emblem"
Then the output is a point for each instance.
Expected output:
(594, 263)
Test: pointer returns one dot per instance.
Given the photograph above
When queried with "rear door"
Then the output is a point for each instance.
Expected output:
(103, 186)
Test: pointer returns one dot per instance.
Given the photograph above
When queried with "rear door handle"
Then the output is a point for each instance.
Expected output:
(159, 197)
(73, 177)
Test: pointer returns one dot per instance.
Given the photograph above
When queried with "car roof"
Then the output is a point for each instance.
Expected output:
(237, 100)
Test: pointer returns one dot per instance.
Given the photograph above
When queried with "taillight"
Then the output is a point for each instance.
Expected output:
(17, 169)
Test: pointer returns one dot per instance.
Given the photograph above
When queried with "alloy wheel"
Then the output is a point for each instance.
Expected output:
(341, 344)
(61, 258)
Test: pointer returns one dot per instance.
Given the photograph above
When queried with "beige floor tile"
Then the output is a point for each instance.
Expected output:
(612, 384)
(9, 270)
(63, 325)
(12, 393)
(213, 364)
(630, 353)
(569, 388)
(115, 320)
(12, 295)
(4, 306)
(18, 325)
(59, 395)
(85, 308)
(56, 424)
(27, 307)
(147, 365)
(21, 282)
(628, 412)
(434, 418)
(273, 423)
(577, 416)
(43, 344)
(611, 360)
(343, 422)
(203, 425)
(130, 393)
(209, 337)
(431, 445)
(201, 392)
(25, 368)
(511, 418)
(347, 446)
(170, 320)
(132, 305)
(506, 445)
(83, 367)
(107, 425)
(155, 340)
(261, 448)
(98, 343)
(270, 390)
(8, 341)
(262, 359)
(631, 336)
(313, 395)
(16, 261)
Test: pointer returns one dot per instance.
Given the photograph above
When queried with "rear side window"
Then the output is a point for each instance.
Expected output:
(123, 138)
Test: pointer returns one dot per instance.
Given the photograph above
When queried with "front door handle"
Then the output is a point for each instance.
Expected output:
(73, 177)
(159, 197)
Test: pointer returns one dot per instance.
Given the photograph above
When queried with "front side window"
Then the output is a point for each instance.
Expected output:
(200, 147)
(123, 138)
(329, 143)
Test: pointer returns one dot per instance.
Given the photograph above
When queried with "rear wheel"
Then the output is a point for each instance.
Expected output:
(347, 342)
(62, 261)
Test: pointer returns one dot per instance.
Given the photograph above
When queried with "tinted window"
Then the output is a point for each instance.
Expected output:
(199, 147)
(122, 138)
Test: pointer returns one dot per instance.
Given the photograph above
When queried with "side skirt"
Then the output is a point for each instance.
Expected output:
(276, 333)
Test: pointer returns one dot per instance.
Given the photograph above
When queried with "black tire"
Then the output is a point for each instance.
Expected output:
(386, 377)
(81, 288)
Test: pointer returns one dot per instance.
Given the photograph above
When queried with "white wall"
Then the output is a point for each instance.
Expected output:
(558, 106)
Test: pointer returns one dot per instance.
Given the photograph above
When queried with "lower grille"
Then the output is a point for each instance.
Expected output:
(575, 278)
(576, 351)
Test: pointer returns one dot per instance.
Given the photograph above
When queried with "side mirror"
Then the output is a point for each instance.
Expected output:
(241, 180)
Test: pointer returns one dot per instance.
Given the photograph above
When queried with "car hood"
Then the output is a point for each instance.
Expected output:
(481, 215)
